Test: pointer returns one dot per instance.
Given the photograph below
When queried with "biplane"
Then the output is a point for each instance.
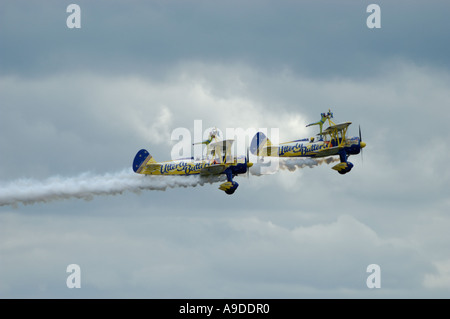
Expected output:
(218, 160)
(329, 142)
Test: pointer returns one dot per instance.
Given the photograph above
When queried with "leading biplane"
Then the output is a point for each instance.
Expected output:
(218, 160)
(329, 142)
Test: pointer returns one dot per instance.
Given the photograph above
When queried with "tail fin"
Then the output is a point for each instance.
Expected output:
(259, 142)
(141, 159)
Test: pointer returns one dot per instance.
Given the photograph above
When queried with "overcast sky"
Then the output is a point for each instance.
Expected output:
(82, 102)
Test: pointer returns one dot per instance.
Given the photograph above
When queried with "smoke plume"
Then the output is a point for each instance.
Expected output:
(86, 186)
(292, 164)
(270, 165)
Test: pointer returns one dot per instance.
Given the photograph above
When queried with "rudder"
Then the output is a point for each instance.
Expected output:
(141, 159)
(259, 141)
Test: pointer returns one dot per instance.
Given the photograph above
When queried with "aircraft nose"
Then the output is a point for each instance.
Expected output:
(249, 164)
(363, 144)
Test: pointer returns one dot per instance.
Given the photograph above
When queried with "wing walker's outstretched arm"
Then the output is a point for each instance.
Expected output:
(325, 116)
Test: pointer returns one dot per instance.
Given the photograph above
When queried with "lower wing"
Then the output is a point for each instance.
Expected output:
(213, 169)
(327, 151)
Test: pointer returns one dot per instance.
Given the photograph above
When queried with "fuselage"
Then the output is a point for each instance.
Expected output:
(191, 167)
(182, 167)
(306, 148)
(144, 163)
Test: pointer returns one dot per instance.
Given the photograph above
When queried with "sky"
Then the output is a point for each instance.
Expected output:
(76, 104)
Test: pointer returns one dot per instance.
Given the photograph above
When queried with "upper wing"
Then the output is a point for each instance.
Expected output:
(337, 127)
(337, 132)
(223, 144)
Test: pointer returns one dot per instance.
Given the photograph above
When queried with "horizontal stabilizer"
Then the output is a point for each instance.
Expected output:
(269, 151)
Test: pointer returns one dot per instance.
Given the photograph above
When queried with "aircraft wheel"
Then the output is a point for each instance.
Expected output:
(232, 189)
(349, 167)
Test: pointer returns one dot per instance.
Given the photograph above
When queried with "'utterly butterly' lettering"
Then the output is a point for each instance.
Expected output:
(184, 167)
(300, 148)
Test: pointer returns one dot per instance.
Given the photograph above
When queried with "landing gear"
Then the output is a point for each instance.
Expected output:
(343, 167)
(229, 186)
(344, 170)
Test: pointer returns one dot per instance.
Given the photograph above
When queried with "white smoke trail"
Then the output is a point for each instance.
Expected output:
(267, 165)
(86, 186)
(292, 164)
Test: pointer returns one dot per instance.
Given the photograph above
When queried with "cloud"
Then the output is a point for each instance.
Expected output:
(168, 256)
(86, 100)
(317, 38)
(86, 186)
(82, 122)
(441, 279)
(300, 233)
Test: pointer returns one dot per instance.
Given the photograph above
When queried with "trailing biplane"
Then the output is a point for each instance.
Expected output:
(218, 160)
(329, 142)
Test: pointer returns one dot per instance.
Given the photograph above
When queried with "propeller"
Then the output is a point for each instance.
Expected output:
(246, 162)
(361, 144)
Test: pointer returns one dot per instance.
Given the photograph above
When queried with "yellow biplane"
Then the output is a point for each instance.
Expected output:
(328, 142)
(219, 160)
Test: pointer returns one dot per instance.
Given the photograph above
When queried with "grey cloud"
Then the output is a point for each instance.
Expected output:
(76, 101)
(314, 38)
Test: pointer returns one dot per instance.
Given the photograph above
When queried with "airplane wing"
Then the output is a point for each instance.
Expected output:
(337, 132)
(327, 151)
(223, 144)
(337, 127)
(213, 169)
(302, 140)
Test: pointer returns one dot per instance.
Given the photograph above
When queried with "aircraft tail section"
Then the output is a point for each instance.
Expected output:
(260, 144)
(141, 159)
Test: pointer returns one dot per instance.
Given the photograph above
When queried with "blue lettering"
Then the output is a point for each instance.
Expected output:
(300, 148)
(185, 167)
